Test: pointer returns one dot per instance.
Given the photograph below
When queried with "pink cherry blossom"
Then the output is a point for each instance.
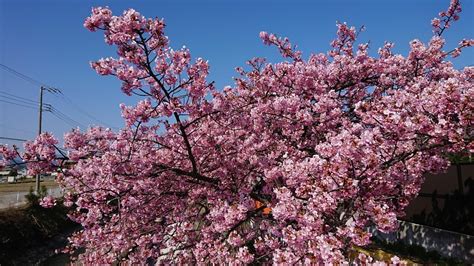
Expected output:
(7, 154)
(48, 202)
(290, 165)
(40, 154)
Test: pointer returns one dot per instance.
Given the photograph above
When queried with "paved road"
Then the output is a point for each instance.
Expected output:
(15, 199)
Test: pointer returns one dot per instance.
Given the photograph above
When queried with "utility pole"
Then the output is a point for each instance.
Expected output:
(40, 120)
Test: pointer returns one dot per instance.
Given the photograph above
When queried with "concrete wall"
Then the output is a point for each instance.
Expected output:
(437, 192)
(446, 243)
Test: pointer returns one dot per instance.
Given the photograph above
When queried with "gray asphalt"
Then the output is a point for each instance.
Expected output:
(16, 199)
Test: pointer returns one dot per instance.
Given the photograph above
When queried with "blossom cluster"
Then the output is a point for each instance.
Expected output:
(7, 154)
(39, 154)
(291, 165)
(48, 202)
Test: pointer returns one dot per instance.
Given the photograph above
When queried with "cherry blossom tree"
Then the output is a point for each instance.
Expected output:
(292, 164)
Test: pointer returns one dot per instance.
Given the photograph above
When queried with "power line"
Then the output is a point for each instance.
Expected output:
(27, 103)
(19, 104)
(19, 97)
(53, 109)
(53, 90)
(84, 112)
(65, 120)
(7, 138)
(17, 100)
(60, 115)
(62, 119)
(22, 76)
(43, 87)
(47, 108)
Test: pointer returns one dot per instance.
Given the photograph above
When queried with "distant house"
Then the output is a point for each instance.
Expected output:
(9, 174)
(8, 171)
(22, 172)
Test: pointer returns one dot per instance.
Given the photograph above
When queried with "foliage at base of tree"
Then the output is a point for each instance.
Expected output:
(26, 232)
(456, 214)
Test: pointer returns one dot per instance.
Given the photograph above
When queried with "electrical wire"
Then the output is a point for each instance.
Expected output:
(64, 120)
(19, 104)
(22, 76)
(7, 138)
(17, 100)
(18, 97)
(55, 92)
(84, 112)
(24, 102)
(61, 116)
(46, 107)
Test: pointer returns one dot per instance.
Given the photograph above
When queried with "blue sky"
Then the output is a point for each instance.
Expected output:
(46, 41)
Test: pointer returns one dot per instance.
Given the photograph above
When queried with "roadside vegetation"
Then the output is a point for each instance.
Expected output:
(31, 234)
